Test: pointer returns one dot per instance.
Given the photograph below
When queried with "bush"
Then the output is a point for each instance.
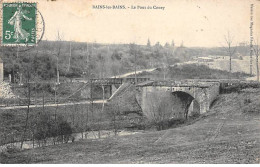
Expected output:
(47, 127)
(170, 123)
(229, 87)
(253, 107)
(64, 130)
(11, 156)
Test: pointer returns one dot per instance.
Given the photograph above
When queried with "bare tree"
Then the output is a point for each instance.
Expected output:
(159, 110)
(57, 54)
(256, 51)
(133, 51)
(102, 74)
(28, 94)
(115, 115)
(230, 49)
(69, 59)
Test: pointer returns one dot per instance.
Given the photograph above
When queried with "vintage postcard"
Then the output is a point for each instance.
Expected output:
(129, 82)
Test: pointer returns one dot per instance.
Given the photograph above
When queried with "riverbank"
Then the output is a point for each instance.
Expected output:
(228, 133)
(88, 135)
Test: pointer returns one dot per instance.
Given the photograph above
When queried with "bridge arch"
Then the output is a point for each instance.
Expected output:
(190, 104)
(149, 95)
(158, 102)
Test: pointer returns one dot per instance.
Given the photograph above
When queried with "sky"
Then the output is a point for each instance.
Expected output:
(197, 23)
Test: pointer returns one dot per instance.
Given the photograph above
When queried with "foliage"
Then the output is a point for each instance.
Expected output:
(44, 59)
(237, 86)
(46, 126)
(85, 59)
(192, 71)
(251, 104)
(11, 153)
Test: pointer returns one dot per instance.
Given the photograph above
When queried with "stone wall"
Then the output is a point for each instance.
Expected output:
(6, 91)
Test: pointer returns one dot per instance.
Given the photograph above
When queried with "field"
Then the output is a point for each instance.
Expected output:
(228, 133)
(191, 70)
(238, 65)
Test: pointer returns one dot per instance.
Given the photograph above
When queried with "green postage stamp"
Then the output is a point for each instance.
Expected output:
(19, 24)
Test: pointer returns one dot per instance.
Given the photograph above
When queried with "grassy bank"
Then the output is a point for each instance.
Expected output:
(191, 71)
(81, 117)
(228, 133)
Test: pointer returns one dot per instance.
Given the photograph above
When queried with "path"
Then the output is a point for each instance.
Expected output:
(132, 73)
(53, 105)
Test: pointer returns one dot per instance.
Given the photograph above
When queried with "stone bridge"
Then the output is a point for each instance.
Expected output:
(110, 85)
(188, 95)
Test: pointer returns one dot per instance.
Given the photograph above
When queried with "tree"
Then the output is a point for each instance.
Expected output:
(158, 45)
(167, 45)
(46, 127)
(64, 130)
(256, 51)
(29, 75)
(133, 51)
(173, 44)
(182, 44)
(115, 116)
(160, 109)
(148, 43)
(58, 53)
(28, 95)
(230, 50)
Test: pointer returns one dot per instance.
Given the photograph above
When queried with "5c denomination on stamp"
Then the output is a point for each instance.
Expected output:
(19, 21)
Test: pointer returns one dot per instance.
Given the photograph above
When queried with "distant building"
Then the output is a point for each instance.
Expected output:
(1, 70)
(243, 44)
(205, 59)
(216, 57)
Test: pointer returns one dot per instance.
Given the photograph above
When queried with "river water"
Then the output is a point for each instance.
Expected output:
(89, 135)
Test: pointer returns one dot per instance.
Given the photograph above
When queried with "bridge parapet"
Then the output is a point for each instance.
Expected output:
(182, 83)
(204, 93)
(114, 81)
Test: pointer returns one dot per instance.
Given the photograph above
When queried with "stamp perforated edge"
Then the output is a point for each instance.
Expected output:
(36, 25)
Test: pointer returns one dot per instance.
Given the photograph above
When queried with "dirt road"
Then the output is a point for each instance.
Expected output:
(53, 105)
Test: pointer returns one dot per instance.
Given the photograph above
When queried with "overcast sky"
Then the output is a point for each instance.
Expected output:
(195, 22)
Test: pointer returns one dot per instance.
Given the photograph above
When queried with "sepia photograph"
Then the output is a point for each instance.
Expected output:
(129, 82)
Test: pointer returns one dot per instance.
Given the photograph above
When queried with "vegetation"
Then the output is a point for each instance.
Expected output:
(90, 59)
(80, 117)
(87, 59)
(46, 126)
(223, 135)
(192, 71)
(93, 60)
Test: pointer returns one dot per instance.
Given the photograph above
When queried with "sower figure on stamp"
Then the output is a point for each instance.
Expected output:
(16, 20)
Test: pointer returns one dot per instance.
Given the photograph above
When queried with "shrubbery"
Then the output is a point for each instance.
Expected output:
(237, 86)
(46, 127)
(251, 107)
